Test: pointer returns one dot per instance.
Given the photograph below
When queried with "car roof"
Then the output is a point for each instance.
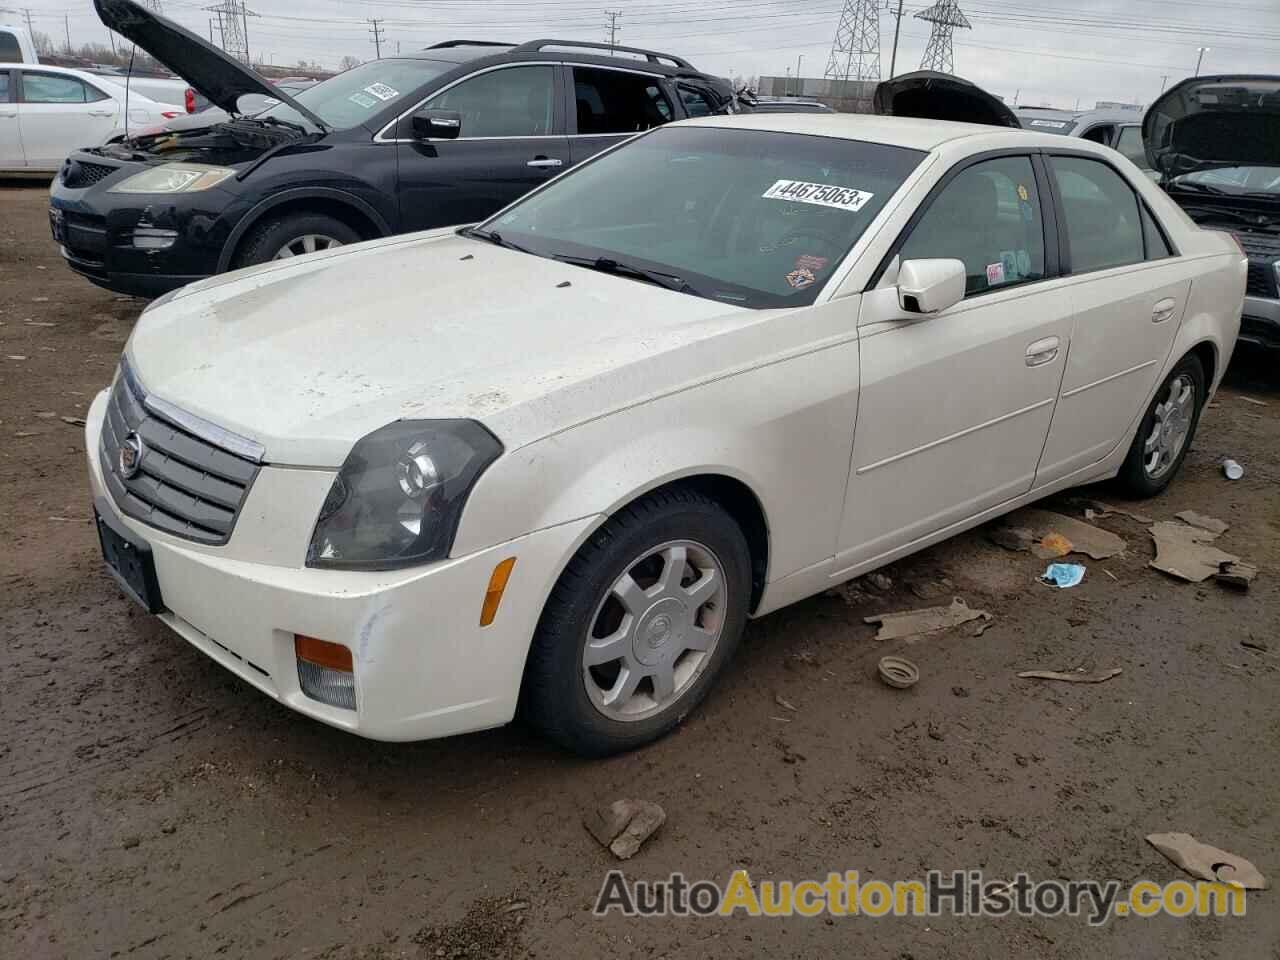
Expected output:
(486, 53)
(908, 132)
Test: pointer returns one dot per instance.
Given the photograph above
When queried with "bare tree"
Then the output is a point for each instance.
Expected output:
(347, 62)
(43, 42)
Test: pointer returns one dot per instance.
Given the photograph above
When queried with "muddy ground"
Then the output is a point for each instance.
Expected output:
(153, 805)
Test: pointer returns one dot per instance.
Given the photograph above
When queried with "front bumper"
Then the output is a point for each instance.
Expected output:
(95, 231)
(423, 666)
(1260, 322)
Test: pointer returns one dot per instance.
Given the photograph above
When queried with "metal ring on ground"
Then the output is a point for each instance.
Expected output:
(897, 672)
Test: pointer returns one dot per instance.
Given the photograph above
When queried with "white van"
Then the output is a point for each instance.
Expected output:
(16, 46)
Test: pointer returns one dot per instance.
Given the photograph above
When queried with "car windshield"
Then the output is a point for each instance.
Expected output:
(755, 218)
(355, 96)
(1264, 180)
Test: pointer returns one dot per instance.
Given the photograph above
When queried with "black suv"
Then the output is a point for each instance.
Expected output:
(444, 136)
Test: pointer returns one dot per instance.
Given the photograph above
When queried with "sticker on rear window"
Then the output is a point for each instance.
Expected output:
(362, 100)
(995, 273)
(382, 91)
(823, 194)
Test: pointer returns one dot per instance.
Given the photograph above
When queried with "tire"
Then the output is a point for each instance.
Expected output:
(565, 698)
(1178, 423)
(269, 238)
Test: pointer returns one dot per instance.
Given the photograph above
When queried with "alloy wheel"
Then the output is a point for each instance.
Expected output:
(1173, 415)
(307, 243)
(655, 631)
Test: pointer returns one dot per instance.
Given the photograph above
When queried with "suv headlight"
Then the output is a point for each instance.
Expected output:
(174, 178)
(398, 498)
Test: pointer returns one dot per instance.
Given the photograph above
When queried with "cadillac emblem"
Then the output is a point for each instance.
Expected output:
(131, 454)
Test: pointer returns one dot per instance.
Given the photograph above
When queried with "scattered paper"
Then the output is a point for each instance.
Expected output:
(910, 623)
(1083, 537)
(1076, 676)
(1212, 524)
(1183, 551)
(1206, 862)
(1051, 545)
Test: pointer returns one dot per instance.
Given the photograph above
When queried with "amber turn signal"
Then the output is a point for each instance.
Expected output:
(497, 584)
(322, 653)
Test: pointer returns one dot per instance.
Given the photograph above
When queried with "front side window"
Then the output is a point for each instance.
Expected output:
(611, 101)
(54, 88)
(1130, 144)
(988, 217)
(512, 102)
(747, 217)
(695, 102)
(1101, 210)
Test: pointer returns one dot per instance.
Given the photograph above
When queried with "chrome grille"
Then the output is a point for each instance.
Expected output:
(184, 485)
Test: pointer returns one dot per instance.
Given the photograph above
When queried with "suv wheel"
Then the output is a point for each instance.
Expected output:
(293, 236)
(1166, 431)
(640, 624)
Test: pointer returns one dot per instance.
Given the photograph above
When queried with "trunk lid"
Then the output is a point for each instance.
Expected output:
(1204, 123)
(220, 78)
(929, 95)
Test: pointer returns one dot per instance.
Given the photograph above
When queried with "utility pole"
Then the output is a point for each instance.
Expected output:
(376, 30)
(612, 27)
(897, 29)
(1200, 59)
(1164, 78)
(799, 75)
(66, 23)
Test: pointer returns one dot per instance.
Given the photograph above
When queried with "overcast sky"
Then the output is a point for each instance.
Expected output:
(1042, 51)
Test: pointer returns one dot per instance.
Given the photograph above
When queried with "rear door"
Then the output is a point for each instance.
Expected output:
(59, 113)
(11, 154)
(1127, 299)
(610, 104)
(512, 140)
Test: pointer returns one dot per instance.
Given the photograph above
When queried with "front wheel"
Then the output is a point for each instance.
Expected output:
(1165, 433)
(293, 236)
(640, 624)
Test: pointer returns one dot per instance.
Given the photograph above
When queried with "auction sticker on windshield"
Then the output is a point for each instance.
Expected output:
(823, 194)
(382, 91)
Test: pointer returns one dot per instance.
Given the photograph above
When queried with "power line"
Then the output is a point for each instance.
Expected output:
(612, 26)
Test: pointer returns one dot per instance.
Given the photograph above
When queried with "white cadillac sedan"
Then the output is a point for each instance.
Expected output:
(554, 462)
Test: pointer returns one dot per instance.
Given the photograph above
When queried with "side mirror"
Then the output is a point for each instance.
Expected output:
(436, 124)
(930, 286)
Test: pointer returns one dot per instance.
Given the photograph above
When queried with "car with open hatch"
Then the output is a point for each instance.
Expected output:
(553, 462)
(440, 136)
(1215, 141)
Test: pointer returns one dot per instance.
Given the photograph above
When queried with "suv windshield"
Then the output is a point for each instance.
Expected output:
(1237, 180)
(351, 98)
(754, 218)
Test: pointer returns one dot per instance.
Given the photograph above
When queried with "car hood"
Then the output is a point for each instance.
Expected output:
(222, 79)
(1207, 122)
(929, 95)
(308, 357)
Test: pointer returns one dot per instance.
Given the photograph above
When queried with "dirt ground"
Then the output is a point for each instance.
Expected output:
(153, 805)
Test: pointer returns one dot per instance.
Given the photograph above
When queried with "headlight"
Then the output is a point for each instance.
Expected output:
(174, 178)
(398, 498)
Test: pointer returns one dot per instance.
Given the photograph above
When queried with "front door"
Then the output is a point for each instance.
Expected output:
(609, 105)
(511, 141)
(954, 408)
(60, 113)
(1128, 297)
(11, 154)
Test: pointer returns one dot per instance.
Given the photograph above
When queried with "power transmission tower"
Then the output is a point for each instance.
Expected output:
(233, 23)
(945, 16)
(153, 5)
(612, 26)
(376, 30)
(855, 51)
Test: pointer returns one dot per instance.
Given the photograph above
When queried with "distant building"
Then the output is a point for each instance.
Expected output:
(847, 96)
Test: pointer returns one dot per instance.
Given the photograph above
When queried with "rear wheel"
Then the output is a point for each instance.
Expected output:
(640, 624)
(293, 236)
(1166, 431)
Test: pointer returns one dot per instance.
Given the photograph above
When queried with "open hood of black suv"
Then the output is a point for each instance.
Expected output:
(1207, 122)
(930, 95)
(219, 77)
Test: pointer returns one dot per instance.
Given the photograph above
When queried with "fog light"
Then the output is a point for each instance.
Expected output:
(153, 238)
(325, 671)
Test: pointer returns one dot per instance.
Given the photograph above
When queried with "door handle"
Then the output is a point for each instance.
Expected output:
(1163, 310)
(1042, 351)
(101, 113)
(7, 116)
(545, 162)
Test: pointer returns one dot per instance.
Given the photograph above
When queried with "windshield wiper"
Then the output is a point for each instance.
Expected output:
(1202, 187)
(277, 122)
(670, 281)
(495, 238)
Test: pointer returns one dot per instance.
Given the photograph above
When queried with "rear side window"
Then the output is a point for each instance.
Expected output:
(611, 101)
(10, 52)
(1104, 228)
(54, 88)
(512, 102)
(1130, 144)
(1157, 245)
(4, 86)
(988, 217)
